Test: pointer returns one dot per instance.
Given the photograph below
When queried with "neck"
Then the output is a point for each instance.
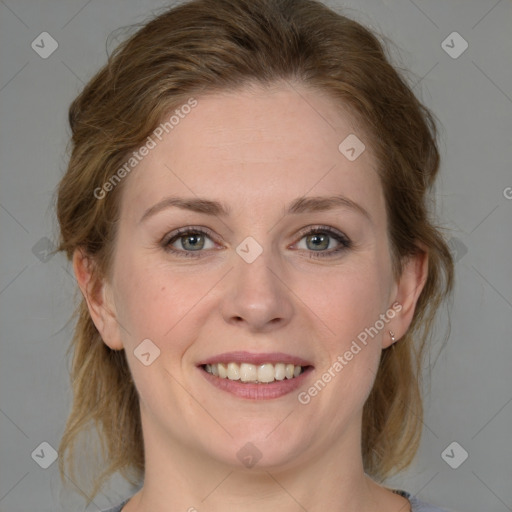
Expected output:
(181, 477)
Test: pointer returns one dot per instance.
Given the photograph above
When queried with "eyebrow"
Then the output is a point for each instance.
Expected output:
(216, 208)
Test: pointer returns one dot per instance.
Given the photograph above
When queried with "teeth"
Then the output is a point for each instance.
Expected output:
(223, 371)
(266, 373)
(246, 372)
(280, 371)
(233, 371)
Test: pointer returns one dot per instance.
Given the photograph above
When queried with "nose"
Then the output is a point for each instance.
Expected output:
(257, 295)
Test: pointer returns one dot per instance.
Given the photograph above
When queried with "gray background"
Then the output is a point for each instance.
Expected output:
(468, 397)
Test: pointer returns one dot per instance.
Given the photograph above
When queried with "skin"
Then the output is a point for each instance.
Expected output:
(255, 150)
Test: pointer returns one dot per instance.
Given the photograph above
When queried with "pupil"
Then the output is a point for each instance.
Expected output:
(195, 241)
(317, 241)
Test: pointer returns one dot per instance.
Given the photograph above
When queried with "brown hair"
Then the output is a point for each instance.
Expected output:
(208, 45)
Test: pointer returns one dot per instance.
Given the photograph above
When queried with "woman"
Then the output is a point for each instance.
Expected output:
(246, 212)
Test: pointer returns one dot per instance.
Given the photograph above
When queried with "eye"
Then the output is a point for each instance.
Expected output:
(186, 241)
(323, 241)
(191, 242)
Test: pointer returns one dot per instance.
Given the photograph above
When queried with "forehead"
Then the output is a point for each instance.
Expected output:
(262, 145)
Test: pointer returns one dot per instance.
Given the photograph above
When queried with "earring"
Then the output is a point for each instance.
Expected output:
(392, 334)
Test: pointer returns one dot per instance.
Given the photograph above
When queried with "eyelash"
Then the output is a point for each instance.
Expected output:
(344, 241)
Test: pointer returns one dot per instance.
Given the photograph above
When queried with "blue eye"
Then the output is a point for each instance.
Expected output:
(192, 242)
(318, 240)
(190, 239)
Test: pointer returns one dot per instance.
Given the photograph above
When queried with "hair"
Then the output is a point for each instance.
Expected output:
(205, 46)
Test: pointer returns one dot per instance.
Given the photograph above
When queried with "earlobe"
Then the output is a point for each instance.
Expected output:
(409, 287)
(98, 297)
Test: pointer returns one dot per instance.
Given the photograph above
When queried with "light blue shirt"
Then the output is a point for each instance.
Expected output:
(416, 504)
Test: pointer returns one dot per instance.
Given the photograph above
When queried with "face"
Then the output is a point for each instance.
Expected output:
(265, 276)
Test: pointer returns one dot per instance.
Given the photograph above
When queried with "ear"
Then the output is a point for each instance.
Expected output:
(98, 295)
(408, 289)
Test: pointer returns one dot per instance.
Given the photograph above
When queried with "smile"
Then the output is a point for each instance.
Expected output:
(247, 372)
(256, 376)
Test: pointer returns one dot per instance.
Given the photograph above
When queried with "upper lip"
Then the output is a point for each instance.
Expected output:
(255, 358)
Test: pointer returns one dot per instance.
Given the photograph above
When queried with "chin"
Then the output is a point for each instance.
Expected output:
(255, 449)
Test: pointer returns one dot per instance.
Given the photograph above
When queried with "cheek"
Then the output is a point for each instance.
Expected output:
(348, 306)
(159, 302)
(151, 300)
(348, 301)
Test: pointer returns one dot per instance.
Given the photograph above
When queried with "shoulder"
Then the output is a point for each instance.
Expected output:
(416, 504)
(419, 506)
(117, 508)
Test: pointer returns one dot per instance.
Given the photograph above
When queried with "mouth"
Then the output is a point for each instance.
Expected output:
(251, 373)
(256, 376)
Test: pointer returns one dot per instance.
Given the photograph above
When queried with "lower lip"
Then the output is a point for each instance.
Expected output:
(253, 391)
